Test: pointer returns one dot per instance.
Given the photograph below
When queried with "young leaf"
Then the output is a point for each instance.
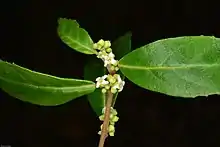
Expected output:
(94, 69)
(182, 66)
(122, 45)
(38, 88)
(75, 37)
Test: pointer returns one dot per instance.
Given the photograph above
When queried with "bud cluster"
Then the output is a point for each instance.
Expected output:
(113, 118)
(105, 53)
(110, 82)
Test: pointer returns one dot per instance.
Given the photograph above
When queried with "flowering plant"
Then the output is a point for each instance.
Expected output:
(184, 67)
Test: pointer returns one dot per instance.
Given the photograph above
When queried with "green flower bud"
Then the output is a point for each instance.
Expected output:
(101, 117)
(115, 119)
(111, 116)
(114, 112)
(112, 80)
(95, 46)
(111, 133)
(112, 68)
(113, 90)
(107, 44)
(108, 50)
(107, 87)
(99, 47)
(109, 77)
(111, 128)
(103, 52)
(101, 42)
(116, 75)
(116, 63)
(112, 123)
(116, 68)
(104, 90)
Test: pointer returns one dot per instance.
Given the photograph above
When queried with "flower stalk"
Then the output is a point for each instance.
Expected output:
(110, 84)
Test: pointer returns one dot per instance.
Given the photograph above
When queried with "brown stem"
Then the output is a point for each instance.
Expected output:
(104, 130)
(112, 72)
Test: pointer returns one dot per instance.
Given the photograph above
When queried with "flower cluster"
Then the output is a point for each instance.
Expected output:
(113, 118)
(105, 53)
(113, 83)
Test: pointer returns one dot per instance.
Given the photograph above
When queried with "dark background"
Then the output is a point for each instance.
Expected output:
(29, 38)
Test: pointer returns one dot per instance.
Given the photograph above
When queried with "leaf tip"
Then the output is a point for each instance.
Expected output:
(67, 20)
(59, 20)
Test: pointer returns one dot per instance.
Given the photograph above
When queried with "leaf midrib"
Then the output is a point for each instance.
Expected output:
(48, 87)
(80, 44)
(168, 67)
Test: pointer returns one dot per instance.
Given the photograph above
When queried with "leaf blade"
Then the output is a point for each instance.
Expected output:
(75, 37)
(93, 69)
(121, 46)
(39, 88)
(182, 66)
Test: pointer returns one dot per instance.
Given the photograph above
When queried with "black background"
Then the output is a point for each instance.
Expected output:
(29, 38)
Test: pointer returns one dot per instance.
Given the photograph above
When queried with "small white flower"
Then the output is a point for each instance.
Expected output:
(104, 77)
(115, 86)
(113, 61)
(111, 55)
(101, 81)
(104, 82)
(121, 85)
(118, 78)
(106, 62)
(109, 59)
(102, 55)
(98, 85)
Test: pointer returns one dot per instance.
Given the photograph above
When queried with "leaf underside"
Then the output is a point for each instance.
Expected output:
(182, 66)
(38, 88)
(93, 69)
(121, 46)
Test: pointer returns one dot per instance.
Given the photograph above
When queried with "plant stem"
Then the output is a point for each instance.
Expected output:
(104, 130)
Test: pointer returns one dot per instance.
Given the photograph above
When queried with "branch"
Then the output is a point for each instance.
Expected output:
(104, 130)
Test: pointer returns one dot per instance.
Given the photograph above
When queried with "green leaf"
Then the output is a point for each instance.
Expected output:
(122, 45)
(182, 66)
(75, 37)
(41, 89)
(94, 69)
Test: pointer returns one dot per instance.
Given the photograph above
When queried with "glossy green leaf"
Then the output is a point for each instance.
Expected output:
(38, 88)
(94, 69)
(75, 37)
(182, 66)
